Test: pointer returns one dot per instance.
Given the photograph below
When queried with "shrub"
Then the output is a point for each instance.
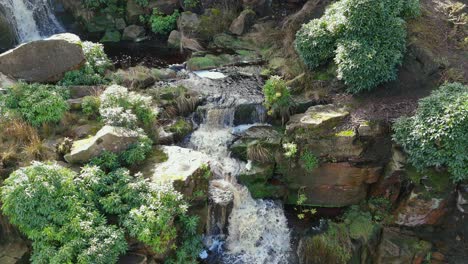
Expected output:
(277, 97)
(162, 24)
(119, 107)
(42, 201)
(90, 106)
(191, 3)
(365, 37)
(92, 73)
(310, 160)
(436, 134)
(37, 104)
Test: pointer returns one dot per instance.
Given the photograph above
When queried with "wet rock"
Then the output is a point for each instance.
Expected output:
(109, 138)
(174, 39)
(243, 22)
(138, 77)
(13, 253)
(428, 202)
(331, 184)
(133, 32)
(43, 60)
(8, 38)
(397, 248)
(165, 138)
(133, 258)
(187, 169)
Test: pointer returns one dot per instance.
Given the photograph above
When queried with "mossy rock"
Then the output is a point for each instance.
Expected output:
(212, 22)
(259, 173)
(181, 128)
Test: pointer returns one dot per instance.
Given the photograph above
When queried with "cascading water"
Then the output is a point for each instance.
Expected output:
(258, 232)
(30, 19)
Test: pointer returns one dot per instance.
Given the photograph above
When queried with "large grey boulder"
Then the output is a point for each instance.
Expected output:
(109, 138)
(43, 60)
(133, 32)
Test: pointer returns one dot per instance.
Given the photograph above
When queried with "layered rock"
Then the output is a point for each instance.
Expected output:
(396, 247)
(109, 138)
(43, 60)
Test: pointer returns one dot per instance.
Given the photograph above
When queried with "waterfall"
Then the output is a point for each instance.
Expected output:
(30, 19)
(258, 232)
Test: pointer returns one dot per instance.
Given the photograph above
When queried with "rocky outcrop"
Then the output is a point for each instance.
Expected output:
(43, 60)
(396, 247)
(243, 22)
(109, 138)
(5, 81)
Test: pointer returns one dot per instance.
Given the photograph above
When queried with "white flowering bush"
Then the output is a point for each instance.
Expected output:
(119, 107)
(92, 73)
(65, 214)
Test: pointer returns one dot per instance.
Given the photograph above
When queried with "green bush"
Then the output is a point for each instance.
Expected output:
(162, 24)
(90, 106)
(277, 97)
(92, 73)
(37, 104)
(42, 201)
(365, 37)
(437, 134)
(310, 160)
(68, 215)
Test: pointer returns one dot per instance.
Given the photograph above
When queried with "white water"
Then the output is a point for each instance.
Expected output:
(258, 232)
(31, 19)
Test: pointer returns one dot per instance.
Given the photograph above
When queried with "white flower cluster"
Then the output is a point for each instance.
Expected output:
(117, 116)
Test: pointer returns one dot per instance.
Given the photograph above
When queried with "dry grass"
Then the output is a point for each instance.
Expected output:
(258, 152)
(186, 104)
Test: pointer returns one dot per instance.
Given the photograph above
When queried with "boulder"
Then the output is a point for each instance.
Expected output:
(109, 138)
(317, 118)
(8, 38)
(138, 77)
(331, 184)
(243, 22)
(133, 32)
(5, 81)
(397, 248)
(134, 11)
(111, 36)
(188, 23)
(174, 39)
(186, 168)
(43, 60)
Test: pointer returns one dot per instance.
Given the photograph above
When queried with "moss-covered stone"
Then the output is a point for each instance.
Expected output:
(111, 36)
(181, 128)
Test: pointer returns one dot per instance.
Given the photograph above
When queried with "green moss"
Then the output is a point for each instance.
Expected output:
(346, 133)
(333, 246)
(430, 183)
(181, 128)
(111, 36)
(264, 190)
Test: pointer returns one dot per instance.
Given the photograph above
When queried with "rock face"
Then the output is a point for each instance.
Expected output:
(5, 81)
(399, 248)
(43, 60)
(109, 138)
(243, 22)
(317, 117)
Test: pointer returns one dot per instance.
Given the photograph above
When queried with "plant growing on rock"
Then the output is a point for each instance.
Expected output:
(366, 38)
(37, 104)
(90, 106)
(163, 24)
(92, 73)
(277, 97)
(436, 135)
(310, 160)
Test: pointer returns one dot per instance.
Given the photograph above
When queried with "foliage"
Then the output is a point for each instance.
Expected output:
(436, 134)
(180, 128)
(134, 155)
(42, 201)
(258, 151)
(277, 97)
(119, 107)
(93, 71)
(163, 24)
(90, 106)
(191, 3)
(310, 160)
(142, 3)
(290, 150)
(359, 223)
(35, 103)
(65, 214)
(113, 8)
(333, 246)
(365, 37)
(301, 200)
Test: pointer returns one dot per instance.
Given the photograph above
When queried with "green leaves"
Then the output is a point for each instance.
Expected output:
(365, 37)
(37, 104)
(162, 24)
(277, 97)
(436, 134)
